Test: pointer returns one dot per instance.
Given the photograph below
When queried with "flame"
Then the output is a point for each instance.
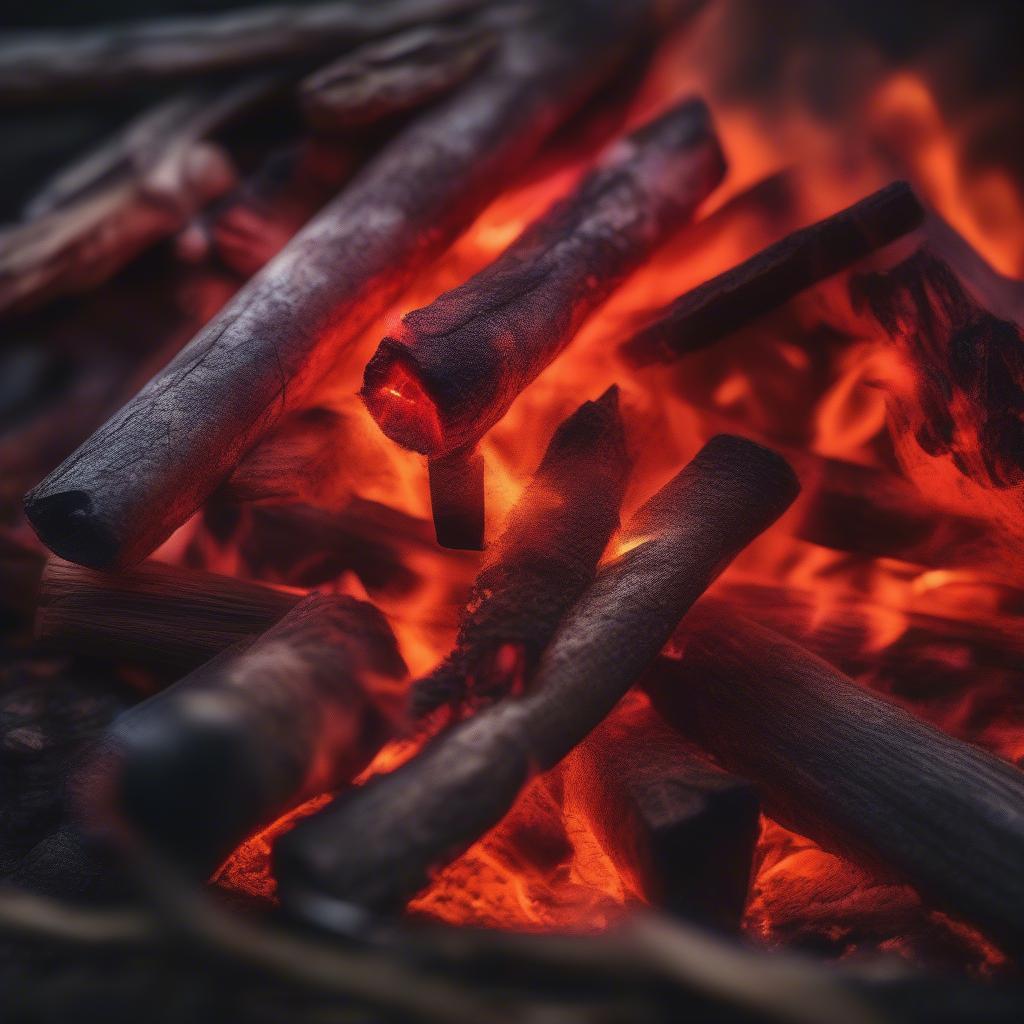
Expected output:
(807, 376)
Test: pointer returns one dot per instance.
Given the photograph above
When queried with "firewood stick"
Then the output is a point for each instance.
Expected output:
(679, 827)
(844, 767)
(453, 368)
(138, 188)
(961, 403)
(775, 275)
(394, 75)
(156, 614)
(42, 65)
(378, 846)
(198, 767)
(457, 499)
(148, 469)
(542, 563)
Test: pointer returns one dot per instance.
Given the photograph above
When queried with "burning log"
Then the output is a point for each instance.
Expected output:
(456, 366)
(229, 748)
(393, 76)
(681, 828)
(156, 614)
(457, 499)
(965, 401)
(858, 775)
(42, 65)
(775, 275)
(149, 468)
(140, 187)
(377, 846)
(542, 563)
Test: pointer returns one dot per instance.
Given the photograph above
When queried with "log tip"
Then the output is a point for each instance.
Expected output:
(66, 522)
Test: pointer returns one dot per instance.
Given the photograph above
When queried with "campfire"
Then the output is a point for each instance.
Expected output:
(513, 512)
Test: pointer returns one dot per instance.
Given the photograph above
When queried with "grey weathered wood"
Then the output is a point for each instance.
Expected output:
(543, 561)
(857, 774)
(378, 845)
(150, 467)
(201, 765)
(40, 65)
(453, 368)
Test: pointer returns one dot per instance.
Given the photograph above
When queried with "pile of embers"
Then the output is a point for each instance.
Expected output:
(282, 701)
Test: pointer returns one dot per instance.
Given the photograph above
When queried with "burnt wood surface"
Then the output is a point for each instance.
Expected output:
(841, 765)
(156, 614)
(392, 76)
(43, 65)
(154, 462)
(377, 846)
(199, 766)
(678, 826)
(457, 499)
(453, 368)
(543, 561)
(775, 275)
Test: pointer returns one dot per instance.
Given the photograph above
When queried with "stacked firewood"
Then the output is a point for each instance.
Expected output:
(259, 695)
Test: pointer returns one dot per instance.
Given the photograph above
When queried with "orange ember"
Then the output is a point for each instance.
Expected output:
(814, 376)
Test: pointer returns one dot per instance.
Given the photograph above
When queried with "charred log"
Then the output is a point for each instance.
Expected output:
(377, 846)
(454, 368)
(393, 76)
(457, 499)
(681, 828)
(42, 65)
(149, 468)
(541, 564)
(140, 187)
(855, 773)
(775, 275)
(201, 765)
(156, 614)
(966, 400)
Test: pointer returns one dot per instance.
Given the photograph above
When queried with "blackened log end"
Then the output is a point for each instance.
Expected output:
(66, 523)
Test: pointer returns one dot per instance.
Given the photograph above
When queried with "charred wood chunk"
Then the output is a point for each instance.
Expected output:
(157, 614)
(378, 845)
(775, 275)
(457, 500)
(454, 367)
(395, 75)
(681, 828)
(229, 748)
(40, 65)
(860, 776)
(964, 396)
(154, 463)
(543, 561)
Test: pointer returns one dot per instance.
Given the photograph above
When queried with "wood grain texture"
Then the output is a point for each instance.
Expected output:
(154, 462)
(244, 738)
(378, 846)
(775, 275)
(543, 561)
(475, 348)
(859, 775)
(156, 614)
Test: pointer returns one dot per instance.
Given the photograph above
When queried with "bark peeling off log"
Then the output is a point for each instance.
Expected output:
(454, 368)
(148, 469)
(378, 846)
(157, 614)
(42, 65)
(775, 275)
(393, 76)
(541, 564)
(855, 773)
(201, 765)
